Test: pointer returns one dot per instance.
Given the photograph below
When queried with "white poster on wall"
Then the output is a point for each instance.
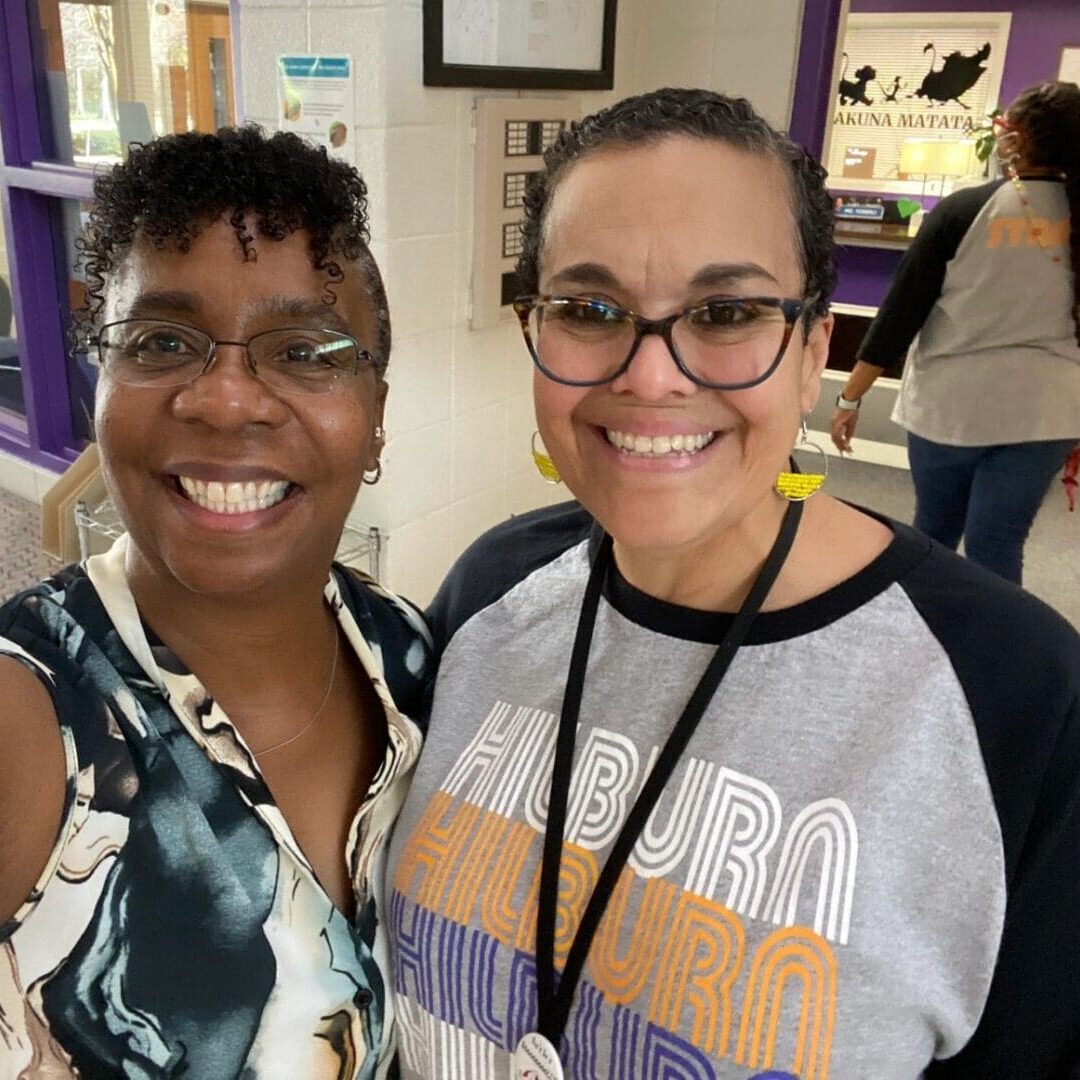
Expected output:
(315, 101)
(1069, 68)
(524, 33)
(909, 76)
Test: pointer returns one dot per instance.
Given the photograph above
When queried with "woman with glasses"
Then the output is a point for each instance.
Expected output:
(206, 731)
(985, 309)
(717, 782)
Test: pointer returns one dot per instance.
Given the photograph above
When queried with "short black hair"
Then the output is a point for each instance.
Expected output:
(1048, 113)
(168, 190)
(701, 114)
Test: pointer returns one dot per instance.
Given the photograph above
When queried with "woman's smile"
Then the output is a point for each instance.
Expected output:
(233, 498)
(233, 506)
(657, 446)
(672, 449)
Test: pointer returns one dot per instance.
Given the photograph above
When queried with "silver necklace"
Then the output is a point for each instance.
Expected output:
(318, 712)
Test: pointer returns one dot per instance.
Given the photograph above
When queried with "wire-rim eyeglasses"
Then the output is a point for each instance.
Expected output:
(160, 353)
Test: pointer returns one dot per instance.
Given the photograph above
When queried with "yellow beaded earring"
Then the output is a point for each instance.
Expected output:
(544, 465)
(796, 486)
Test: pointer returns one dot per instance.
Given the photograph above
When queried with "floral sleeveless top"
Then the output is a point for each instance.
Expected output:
(178, 929)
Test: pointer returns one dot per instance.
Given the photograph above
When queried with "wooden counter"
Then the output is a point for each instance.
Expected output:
(871, 234)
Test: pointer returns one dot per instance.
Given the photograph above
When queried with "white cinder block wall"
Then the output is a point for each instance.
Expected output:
(460, 411)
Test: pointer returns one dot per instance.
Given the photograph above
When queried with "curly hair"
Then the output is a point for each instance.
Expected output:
(170, 189)
(1049, 116)
(701, 114)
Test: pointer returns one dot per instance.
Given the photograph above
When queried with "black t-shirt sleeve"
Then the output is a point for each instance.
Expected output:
(1021, 675)
(1031, 1024)
(918, 280)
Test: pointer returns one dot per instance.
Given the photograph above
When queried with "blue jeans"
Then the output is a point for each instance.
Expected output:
(989, 495)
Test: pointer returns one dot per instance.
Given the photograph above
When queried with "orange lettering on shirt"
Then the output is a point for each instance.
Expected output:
(498, 915)
(622, 978)
(701, 961)
(792, 955)
(1010, 230)
(425, 847)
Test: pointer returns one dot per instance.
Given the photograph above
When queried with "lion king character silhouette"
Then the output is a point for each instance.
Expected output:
(958, 74)
(854, 93)
(890, 95)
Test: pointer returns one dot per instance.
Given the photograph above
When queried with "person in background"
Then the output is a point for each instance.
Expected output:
(206, 732)
(986, 299)
(720, 783)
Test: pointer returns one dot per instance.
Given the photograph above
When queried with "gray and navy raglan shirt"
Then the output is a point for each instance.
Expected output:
(981, 306)
(866, 865)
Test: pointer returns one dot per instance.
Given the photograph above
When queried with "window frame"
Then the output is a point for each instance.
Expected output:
(30, 186)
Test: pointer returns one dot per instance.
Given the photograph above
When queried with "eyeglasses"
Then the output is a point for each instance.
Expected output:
(155, 353)
(724, 344)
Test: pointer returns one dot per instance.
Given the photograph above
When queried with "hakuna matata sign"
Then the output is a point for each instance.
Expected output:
(909, 76)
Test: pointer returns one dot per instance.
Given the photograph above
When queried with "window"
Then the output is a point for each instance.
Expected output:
(12, 406)
(530, 137)
(79, 81)
(512, 243)
(127, 70)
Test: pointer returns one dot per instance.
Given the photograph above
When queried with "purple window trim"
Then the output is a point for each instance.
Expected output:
(21, 127)
(864, 272)
(813, 73)
(28, 186)
(49, 178)
(22, 428)
(41, 308)
(11, 444)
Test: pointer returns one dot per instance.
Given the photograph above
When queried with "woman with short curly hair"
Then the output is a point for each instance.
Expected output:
(206, 731)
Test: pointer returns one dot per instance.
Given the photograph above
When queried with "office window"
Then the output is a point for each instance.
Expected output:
(79, 80)
(12, 405)
(127, 70)
(512, 243)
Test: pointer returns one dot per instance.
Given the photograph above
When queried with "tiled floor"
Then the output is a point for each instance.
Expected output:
(1052, 568)
(1052, 555)
(22, 561)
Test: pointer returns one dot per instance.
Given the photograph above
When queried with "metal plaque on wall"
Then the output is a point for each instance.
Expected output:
(511, 137)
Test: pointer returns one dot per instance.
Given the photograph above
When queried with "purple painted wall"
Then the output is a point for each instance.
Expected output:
(817, 45)
(1039, 29)
(864, 274)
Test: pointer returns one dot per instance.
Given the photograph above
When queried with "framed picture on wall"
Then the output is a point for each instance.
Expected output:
(520, 44)
(910, 89)
(1069, 68)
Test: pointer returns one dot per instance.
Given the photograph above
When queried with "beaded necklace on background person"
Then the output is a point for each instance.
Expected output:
(1034, 230)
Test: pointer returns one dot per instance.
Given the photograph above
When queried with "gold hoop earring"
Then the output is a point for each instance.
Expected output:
(376, 478)
(544, 465)
(796, 486)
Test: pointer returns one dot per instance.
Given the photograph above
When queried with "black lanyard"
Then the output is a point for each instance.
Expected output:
(553, 1005)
